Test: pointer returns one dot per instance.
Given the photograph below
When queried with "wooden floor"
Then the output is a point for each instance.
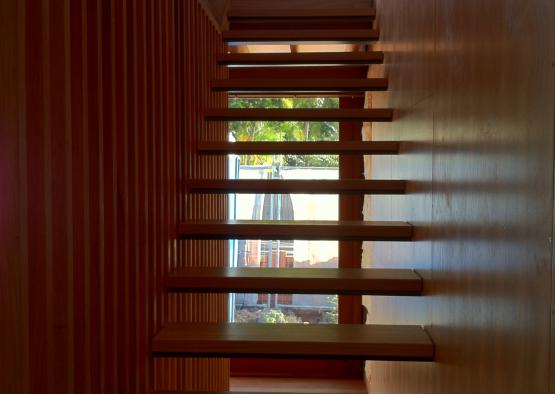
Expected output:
(323, 386)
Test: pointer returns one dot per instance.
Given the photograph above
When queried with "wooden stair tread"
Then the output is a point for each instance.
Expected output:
(315, 115)
(240, 13)
(229, 392)
(301, 58)
(301, 148)
(324, 36)
(296, 229)
(346, 281)
(333, 341)
(285, 186)
(242, 85)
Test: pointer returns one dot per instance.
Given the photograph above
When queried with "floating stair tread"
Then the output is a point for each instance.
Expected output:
(241, 85)
(284, 186)
(333, 341)
(324, 36)
(346, 281)
(301, 148)
(300, 58)
(233, 392)
(315, 115)
(243, 13)
(296, 229)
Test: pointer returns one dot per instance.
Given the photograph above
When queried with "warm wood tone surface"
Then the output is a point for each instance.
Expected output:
(239, 392)
(298, 386)
(241, 85)
(296, 280)
(277, 186)
(296, 229)
(15, 372)
(91, 107)
(481, 113)
(343, 115)
(333, 8)
(197, 45)
(243, 385)
(329, 36)
(302, 148)
(216, 11)
(292, 13)
(302, 4)
(305, 72)
(299, 58)
(351, 341)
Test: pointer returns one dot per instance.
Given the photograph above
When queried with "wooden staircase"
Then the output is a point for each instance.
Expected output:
(342, 341)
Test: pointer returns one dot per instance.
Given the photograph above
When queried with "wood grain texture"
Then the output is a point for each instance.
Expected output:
(486, 178)
(223, 392)
(300, 58)
(296, 280)
(302, 4)
(314, 115)
(279, 186)
(322, 36)
(14, 264)
(268, 72)
(88, 166)
(297, 12)
(350, 341)
(217, 12)
(296, 229)
(197, 44)
(324, 385)
(358, 11)
(242, 85)
(301, 148)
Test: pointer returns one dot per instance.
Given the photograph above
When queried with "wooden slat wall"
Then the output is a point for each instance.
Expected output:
(197, 46)
(96, 99)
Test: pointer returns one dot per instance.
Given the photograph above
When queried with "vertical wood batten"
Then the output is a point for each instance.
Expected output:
(110, 95)
(197, 45)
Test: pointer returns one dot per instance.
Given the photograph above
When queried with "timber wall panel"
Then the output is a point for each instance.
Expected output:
(472, 84)
(196, 67)
(100, 107)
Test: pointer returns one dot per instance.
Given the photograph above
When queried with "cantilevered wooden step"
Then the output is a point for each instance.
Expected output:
(314, 115)
(330, 341)
(301, 148)
(285, 186)
(301, 59)
(298, 85)
(323, 36)
(346, 281)
(284, 13)
(228, 392)
(296, 229)
(301, 18)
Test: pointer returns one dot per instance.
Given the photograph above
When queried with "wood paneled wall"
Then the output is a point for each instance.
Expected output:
(473, 86)
(217, 11)
(197, 46)
(99, 109)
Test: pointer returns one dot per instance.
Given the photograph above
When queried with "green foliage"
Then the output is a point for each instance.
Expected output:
(277, 316)
(332, 316)
(286, 131)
